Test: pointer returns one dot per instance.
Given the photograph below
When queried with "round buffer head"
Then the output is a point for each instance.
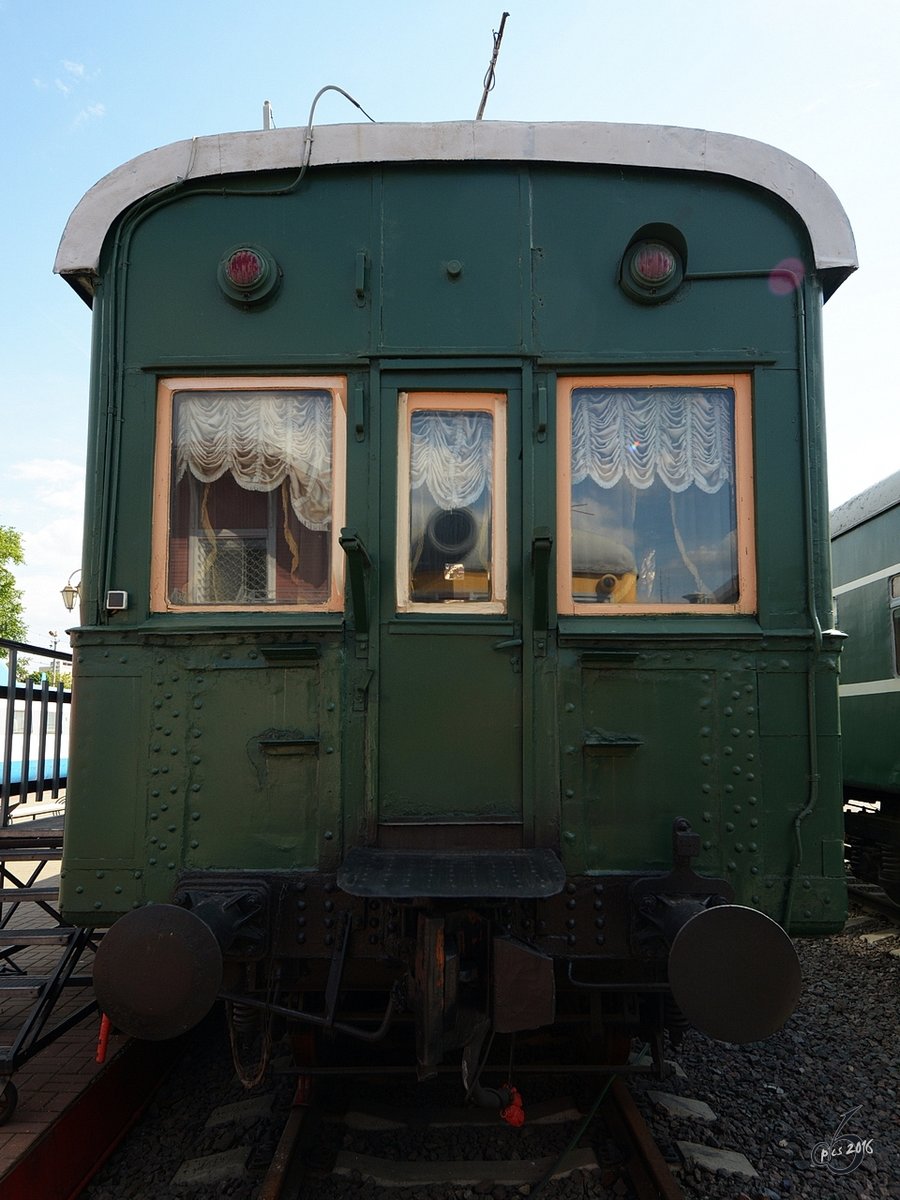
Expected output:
(157, 972)
(734, 973)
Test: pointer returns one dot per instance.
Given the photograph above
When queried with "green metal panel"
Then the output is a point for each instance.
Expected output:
(778, 455)
(219, 753)
(632, 772)
(257, 803)
(105, 848)
(315, 235)
(783, 699)
(869, 725)
(865, 616)
(450, 727)
(474, 258)
(583, 222)
(106, 772)
(453, 267)
(673, 737)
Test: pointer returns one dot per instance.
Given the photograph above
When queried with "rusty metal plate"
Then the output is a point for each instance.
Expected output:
(523, 985)
(398, 874)
(734, 973)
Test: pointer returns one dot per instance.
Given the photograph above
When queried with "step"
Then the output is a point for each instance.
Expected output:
(24, 894)
(34, 983)
(23, 836)
(40, 853)
(57, 935)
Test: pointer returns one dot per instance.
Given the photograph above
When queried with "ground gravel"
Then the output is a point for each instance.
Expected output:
(775, 1103)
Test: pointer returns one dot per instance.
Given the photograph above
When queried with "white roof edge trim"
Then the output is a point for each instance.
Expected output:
(600, 143)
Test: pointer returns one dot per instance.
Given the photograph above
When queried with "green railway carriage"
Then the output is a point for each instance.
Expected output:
(865, 551)
(455, 625)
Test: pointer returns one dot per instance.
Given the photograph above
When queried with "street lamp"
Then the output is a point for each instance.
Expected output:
(71, 592)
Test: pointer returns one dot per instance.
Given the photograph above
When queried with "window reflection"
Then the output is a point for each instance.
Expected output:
(653, 496)
(450, 510)
(251, 498)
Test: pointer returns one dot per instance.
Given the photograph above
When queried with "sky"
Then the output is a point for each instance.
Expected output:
(89, 84)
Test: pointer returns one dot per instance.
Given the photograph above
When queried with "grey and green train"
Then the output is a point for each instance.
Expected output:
(455, 643)
(865, 552)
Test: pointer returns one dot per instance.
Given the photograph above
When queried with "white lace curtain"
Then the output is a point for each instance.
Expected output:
(262, 439)
(451, 453)
(680, 436)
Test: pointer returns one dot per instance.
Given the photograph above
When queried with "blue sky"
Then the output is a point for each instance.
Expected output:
(89, 84)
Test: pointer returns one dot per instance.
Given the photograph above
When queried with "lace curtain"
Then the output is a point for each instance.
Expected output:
(263, 439)
(680, 436)
(451, 455)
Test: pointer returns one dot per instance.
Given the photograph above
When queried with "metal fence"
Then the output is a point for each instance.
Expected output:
(34, 728)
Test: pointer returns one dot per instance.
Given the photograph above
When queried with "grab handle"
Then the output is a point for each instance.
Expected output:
(359, 564)
(541, 546)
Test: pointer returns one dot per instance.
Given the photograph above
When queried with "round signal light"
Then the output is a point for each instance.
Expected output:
(245, 269)
(653, 264)
(651, 271)
(248, 275)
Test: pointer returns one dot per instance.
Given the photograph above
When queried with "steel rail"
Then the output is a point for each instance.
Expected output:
(878, 902)
(649, 1171)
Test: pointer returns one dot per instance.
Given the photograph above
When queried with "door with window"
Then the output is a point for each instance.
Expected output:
(450, 633)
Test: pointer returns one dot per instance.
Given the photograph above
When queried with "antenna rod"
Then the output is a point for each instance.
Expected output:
(489, 79)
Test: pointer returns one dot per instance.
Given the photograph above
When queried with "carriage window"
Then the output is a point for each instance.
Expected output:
(452, 503)
(249, 491)
(895, 620)
(655, 495)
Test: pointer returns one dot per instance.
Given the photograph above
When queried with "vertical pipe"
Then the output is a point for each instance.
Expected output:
(810, 533)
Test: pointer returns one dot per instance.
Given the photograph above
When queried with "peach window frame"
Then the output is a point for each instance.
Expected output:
(496, 404)
(162, 479)
(744, 493)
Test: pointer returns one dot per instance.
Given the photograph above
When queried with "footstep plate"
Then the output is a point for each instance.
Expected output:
(406, 874)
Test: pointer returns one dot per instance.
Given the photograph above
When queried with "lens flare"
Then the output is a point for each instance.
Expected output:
(786, 276)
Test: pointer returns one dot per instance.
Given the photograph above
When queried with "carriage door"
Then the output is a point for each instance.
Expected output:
(450, 660)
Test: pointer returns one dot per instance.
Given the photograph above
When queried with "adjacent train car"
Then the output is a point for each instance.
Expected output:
(865, 551)
(456, 615)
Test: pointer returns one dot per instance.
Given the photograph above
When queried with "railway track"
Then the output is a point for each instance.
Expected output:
(380, 1135)
(874, 901)
(736, 1119)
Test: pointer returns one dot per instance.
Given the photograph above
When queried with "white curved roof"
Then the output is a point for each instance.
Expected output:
(868, 504)
(659, 146)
